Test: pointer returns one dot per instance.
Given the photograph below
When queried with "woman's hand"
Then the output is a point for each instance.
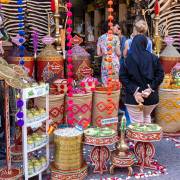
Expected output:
(146, 93)
(139, 98)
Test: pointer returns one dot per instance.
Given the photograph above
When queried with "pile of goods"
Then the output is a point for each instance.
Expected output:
(34, 114)
(172, 81)
(36, 140)
(99, 132)
(144, 127)
(36, 164)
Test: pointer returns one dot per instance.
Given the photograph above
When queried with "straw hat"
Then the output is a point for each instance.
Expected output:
(16, 83)
(20, 72)
(6, 72)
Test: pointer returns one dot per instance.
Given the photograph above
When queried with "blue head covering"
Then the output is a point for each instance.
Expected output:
(143, 59)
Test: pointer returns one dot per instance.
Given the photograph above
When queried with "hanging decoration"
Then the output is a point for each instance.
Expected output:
(109, 51)
(53, 8)
(70, 115)
(21, 40)
(19, 115)
(156, 8)
(35, 42)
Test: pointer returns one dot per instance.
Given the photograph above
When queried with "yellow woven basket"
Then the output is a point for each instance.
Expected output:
(68, 152)
(168, 110)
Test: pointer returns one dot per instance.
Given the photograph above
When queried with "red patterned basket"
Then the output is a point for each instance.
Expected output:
(100, 116)
(82, 108)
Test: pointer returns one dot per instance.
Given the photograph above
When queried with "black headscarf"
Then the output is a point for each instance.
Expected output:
(141, 58)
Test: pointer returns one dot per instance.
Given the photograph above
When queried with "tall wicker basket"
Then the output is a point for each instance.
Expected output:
(68, 151)
(82, 108)
(100, 107)
(56, 107)
(168, 110)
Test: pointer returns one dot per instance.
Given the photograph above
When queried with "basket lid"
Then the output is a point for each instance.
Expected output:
(79, 51)
(170, 51)
(49, 51)
(67, 132)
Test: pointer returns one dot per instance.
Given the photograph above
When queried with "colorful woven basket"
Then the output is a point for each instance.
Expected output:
(100, 116)
(68, 151)
(82, 108)
(168, 110)
(56, 107)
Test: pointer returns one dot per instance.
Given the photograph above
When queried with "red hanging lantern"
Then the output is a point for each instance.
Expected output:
(53, 5)
(156, 8)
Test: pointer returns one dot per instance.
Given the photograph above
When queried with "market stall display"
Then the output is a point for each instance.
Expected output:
(144, 135)
(100, 138)
(34, 118)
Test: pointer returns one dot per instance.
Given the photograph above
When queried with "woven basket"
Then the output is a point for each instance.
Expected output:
(82, 108)
(168, 110)
(100, 109)
(56, 107)
(68, 152)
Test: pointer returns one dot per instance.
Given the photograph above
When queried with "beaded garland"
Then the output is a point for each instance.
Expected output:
(20, 103)
(109, 51)
(70, 115)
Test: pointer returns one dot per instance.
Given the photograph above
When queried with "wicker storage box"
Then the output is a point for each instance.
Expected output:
(168, 110)
(56, 107)
(100, 107)
(82, 108)
(50, 65)
(68, 151)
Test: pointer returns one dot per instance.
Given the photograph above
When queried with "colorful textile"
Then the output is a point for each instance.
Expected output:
(103, 44)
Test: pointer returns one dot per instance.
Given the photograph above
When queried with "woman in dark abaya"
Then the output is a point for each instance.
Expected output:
(141, 74)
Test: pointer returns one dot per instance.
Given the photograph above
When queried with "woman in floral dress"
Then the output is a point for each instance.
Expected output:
(102, 50)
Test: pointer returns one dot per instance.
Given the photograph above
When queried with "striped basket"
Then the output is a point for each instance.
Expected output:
(168, 110)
